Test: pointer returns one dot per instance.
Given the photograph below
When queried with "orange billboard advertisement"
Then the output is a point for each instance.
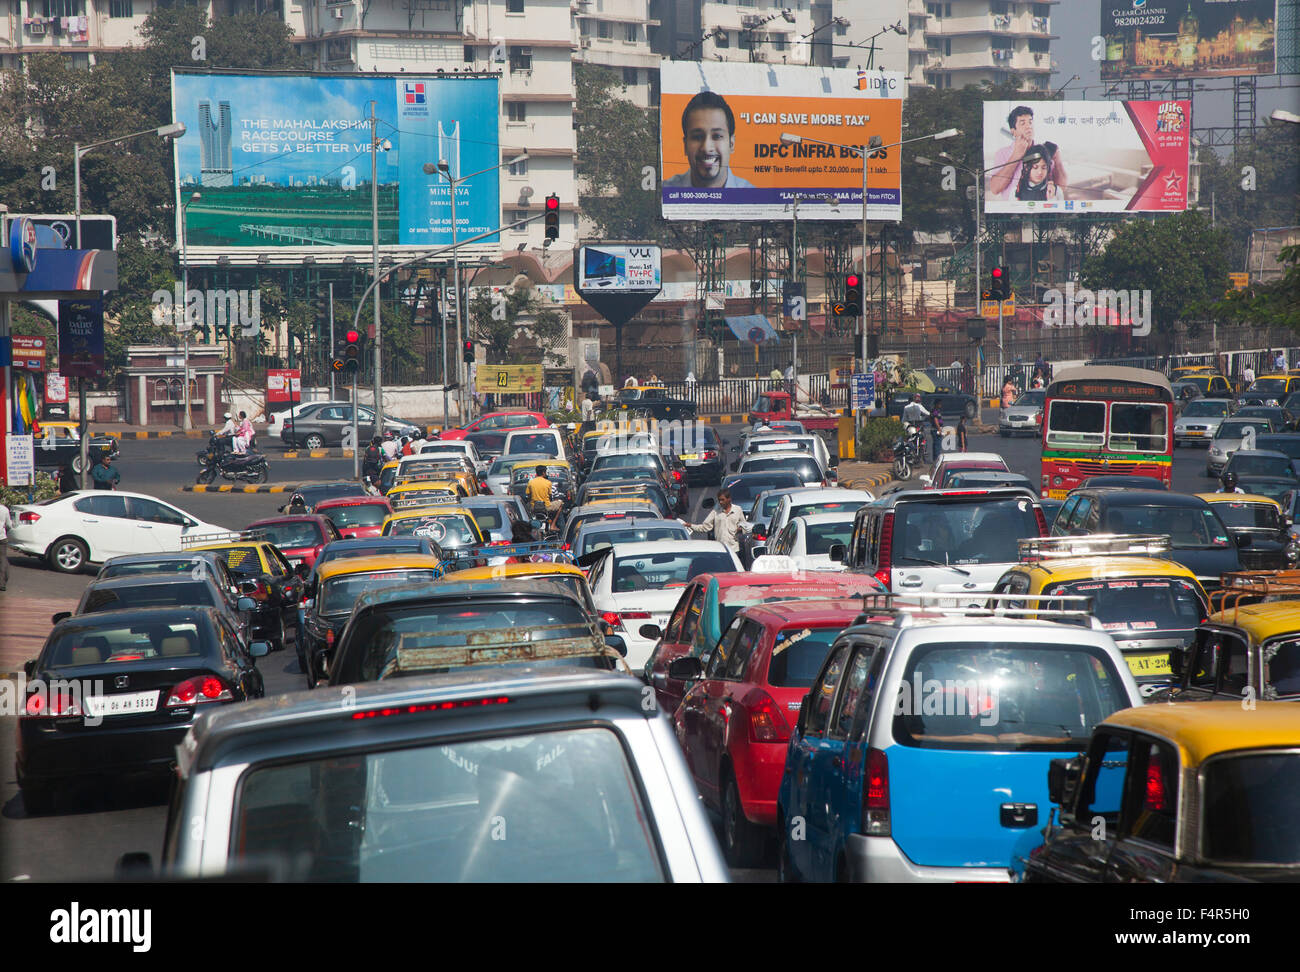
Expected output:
(746, 141)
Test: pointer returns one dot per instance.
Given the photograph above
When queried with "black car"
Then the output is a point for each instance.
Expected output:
(113, 693)
(1260, 462)
(653, 403)
(1280, 417)
(700, 451)
(313, 493)
(276, 592)
(953, 403)
(1274, 487)
(164, 590)
(169, 563)
(1287, 443)
(1122, 482)
(745, 487)
(58, 444)
(1199, 539)
(1263, 524)
(451, 614)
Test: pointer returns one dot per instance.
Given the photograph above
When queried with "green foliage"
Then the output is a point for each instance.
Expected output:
(876, 439)
(616, 141)
(1274, 201)
(44, 488)
(1275, 304)
(514, 324)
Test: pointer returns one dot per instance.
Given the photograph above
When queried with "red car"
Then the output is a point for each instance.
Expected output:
(734, 723)
(710, 601)
(499, 421)
(299, 536)
(356, 516)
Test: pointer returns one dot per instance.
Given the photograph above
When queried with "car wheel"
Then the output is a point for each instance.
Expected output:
(972, 410)
(314, 441)
(785, 872)
(263, 474)
(742, 841)
(37, 800)
(76, 464)
(67, 554)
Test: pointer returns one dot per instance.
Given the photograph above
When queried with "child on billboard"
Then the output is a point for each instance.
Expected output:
(1036, 174)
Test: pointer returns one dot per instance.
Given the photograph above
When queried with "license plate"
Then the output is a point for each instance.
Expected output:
(129, 703)
(693, 455)
(1153, 664)
(295, 561)
(1194, 432)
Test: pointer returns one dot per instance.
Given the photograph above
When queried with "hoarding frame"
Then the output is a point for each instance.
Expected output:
(1172, 15)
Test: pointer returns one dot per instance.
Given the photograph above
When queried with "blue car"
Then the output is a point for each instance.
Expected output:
(921, 751)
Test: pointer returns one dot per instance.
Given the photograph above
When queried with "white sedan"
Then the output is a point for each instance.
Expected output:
(90, 526)
(638, 584)
(807, 541)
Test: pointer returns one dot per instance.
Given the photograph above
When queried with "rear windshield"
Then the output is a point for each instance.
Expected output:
(178, 594)
(312, 495)
(826, 506)
(1188, 527)
(798, 656)
(745, 490)
(996, 696)
(1146, 604)
(405, 547)
(820, 537)
(178, 566)
(1249, 516)
(1271, 385)
(488, 518)
(124, 643)
(1235, 429)
(659, 570)
(244, 561)
(541, 443)
(340, 594)
(806, 469)
(1279, 466)
(291, 535)
(607, 538)
(1287, 445)
(1250, 806)
(415, 498)
(563, 806)
(982, 531)
(360, 515)
(449, 530)
(625, 460)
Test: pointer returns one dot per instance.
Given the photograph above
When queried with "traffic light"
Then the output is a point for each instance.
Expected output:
(352, 352)
(552, 217)
(468, 354)
(852, 295)
(999, 284)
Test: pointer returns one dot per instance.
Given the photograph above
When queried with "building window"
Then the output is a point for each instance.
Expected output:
(654, 87)
(1039, 45)
(629, 75)
(120, 8)
(519, 168)
(59, 8)
(469, 53)
(517, 216)
(514, 6)
(521, 59)
(604, 29)
(629, 33)
(516, 111)
(584, 27)
(338, 49)
(778, 42)
(722, 39)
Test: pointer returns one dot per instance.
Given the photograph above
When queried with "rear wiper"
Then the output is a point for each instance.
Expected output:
(935, 563)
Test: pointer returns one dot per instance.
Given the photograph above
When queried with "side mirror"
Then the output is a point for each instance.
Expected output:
(617, 643)
(248, 586)
(1056, 779)
(708, 503)
(838, 552)
(303, 570)
(651, 631)
(246, 604)
(29, 668)
(1243, 540)
(259, 649)
(685, 669)
(134, 865)
(60, 616)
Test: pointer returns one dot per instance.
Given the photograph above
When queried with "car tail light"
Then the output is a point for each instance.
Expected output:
(766, 724)
(634, 615)
(759, 533)
(885, 557)
(201, 688)
(1155, 789)
(875, 795)
(329, 638)
(431, 707)
(710, 454)
(28, 517)
(40, 705)
(677, 475)
(1042, 521)
(612, 619)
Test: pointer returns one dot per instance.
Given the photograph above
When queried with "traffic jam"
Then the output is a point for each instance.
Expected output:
(635, 650)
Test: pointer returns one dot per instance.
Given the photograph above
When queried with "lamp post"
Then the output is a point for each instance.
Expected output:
(794, 255)
(444, 169)
(376, 146)
(173, 130)
(186, 423)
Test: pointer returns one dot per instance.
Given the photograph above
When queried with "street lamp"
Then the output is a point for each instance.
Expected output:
(186, 423)
(795, 200)
(874, 144)
(1284, 117)
(444, 170)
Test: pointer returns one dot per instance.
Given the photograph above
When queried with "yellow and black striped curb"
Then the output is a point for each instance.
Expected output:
(231, 488)
(154, 434)
(869, 482)
(317, 454)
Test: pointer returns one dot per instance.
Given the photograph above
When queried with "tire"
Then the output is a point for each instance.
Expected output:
(901, 469)
(264, 473)
(206, 476)
(37, 800)
(972, 410)
(67, 555)
(785, 873)
(743, 842)
(76, 464)
(314, 441)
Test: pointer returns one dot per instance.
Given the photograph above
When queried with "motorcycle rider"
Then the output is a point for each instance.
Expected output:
(916, 414)
(1229, 484)
(539, 494)
(373, 459)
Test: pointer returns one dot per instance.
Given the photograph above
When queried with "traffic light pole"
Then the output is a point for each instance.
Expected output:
(356, 443)
(332, 345)
(374, 255)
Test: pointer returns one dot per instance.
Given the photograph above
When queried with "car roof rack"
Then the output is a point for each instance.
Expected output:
(1035, 550)
(228, 536)
(1252, 587)
(418, 651)
(986, 605)
(540, 552)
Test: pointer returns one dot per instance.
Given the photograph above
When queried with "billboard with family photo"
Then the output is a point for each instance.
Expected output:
(1086, 156)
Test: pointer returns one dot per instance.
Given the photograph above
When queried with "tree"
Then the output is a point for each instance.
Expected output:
(618, 155)
(499, 319)
(1177, 259)
(1275, 304)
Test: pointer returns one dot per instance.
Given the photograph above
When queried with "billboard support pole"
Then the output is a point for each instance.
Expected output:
(374, 256)
(445, 411)
(83, 428)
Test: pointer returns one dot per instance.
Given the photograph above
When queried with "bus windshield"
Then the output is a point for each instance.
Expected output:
(1133, 426)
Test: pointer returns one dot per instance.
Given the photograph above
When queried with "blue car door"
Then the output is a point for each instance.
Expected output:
(824, 761)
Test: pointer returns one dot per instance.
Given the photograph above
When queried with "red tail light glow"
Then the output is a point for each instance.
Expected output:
(875, 795)
(612, 619)
(40, 705)
(634, 615)
(201, 688)
(1155, 798)
(431, 707)
(885, 558)
(766, 724)
(28, 517)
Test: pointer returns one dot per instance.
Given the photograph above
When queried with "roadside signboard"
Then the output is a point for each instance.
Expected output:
(863, 391)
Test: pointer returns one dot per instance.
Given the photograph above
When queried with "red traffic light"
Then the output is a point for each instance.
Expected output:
(997, 273)
(353, 337)
(852, 280)
(553, 204)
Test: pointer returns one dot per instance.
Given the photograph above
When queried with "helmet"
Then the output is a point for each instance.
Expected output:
(1230, 480)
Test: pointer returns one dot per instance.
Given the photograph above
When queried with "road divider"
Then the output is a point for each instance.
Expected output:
(232, 488)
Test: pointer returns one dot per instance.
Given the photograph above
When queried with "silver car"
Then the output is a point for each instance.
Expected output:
(528, 775)
(1025, 416)
(1231, 435)
(1199, 421)
(499, 473)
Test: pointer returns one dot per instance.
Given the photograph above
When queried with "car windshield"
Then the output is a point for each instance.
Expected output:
(745, 489)
(179, 565)
(989, 696)
(401, 547)
(820, 537)
(654, 571)
(1249, 516)
(567, 800)
(1189, 528)
(339, 594)
(798, 656)
(115, 644)
(542, 443)
(1140, 604)
(983, 531)
(488, 443)
(1278, 466)
(1034, 398)
(1271, 385)
(288, 536)
(180, 593)
(446, 530)
(312, 495)
(806, 469)
(607, 538)
(1206, 408)
(357, 515)
(1249, 809)
(1237, 429)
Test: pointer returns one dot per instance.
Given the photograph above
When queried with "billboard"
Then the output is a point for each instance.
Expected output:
(619, 269)
(722, 155)
(1188, 39)
(1088, 156)
(508, 379)
(81, 338)
(284, 160)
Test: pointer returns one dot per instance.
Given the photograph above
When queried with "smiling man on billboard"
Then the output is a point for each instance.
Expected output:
(709, 138)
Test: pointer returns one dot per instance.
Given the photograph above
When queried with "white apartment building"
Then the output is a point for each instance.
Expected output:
(969, 41)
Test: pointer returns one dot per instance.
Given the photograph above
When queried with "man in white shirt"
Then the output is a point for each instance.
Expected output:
(724, 523)
(229, 428)
(915, 413)
(588, 410)
(390, 446)
(1280, 362)
(1248, 375)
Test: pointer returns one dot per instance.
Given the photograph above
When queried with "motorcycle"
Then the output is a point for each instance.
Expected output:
(250, 467)
(909, 452)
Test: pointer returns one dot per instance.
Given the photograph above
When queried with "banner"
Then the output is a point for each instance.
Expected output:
(508, 379)
(619, 269)
(283, 385)
(284, 160)
(723, 156)
(81, 338)
(1188, 39)
(29, 352)
(1087, 156)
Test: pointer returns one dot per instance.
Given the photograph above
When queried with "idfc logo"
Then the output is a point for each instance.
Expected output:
(876, 82)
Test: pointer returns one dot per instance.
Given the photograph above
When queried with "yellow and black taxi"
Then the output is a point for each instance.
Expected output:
(1269, 390)
(450, 527)
(338, 585)
(559, 472)
(1205, 792)
(1147, 604)
(437, 468)
(264, 574)
(1261, 520)
(566, 575)
(387, 476)
(58, 444)
(413, 494)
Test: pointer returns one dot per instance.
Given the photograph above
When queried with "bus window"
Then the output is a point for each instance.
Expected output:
(1076, 423)
(1137, 428)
